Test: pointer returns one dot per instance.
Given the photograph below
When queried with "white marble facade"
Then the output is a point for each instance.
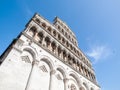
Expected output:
(37, 60)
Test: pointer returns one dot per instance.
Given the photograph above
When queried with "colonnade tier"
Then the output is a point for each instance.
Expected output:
(59, 35)
(62, 53)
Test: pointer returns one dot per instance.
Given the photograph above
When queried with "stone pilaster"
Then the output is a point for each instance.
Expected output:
(66, 83)
(51, 84)
(34, 66)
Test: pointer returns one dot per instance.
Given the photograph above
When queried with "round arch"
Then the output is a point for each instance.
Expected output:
(76, 77)
(34, 26)
(48, 61)
(85, 85)
(62, 70)
(30, 50)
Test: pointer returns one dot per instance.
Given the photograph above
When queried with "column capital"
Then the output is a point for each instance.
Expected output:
(81, 88)
(52, 72)
(35, 62)
(65, 80)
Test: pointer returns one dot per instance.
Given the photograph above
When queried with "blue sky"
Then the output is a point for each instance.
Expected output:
(96, 24)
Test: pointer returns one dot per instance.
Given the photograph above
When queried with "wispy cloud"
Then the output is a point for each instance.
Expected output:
(26, 8)
(28, 11)
(98, 53)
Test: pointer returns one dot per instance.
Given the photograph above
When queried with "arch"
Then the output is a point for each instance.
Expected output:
(76, 77)
(48, 41)
(64, 55)
(67, 44)
(63, 40)
(33, 29)
(47, 38)
(54, 33)
(49, 29)
(59, 49)
(37, 20)
(53, 45)
(59, 27)
(48, 61)
(85, 85)
(69, 59)
(62, 70)
(59, 37)
(41, 36)
(30, 50)
(74, 60)
(44, 25)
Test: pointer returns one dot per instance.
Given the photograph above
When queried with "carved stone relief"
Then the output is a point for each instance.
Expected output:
(26, 59)
(59, 77)
(43, 68)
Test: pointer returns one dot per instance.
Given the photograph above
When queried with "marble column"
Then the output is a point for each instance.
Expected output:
(36, 36)
(51, 84)
(34, 66)
(66, 84)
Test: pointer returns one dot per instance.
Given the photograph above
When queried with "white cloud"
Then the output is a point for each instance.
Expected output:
(98, 53)
(28, 11)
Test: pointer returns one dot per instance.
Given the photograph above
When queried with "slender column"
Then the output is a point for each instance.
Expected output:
(62, 55)
(84, 71)
(44, 42)
(51, 84)
(77, 67)
(87, 74)
(66, 84)
(50, 47)
(90, 76)
(34, 64)
(58, 51)
(35, 36)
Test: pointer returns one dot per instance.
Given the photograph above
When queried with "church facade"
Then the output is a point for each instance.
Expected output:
(46, 56)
